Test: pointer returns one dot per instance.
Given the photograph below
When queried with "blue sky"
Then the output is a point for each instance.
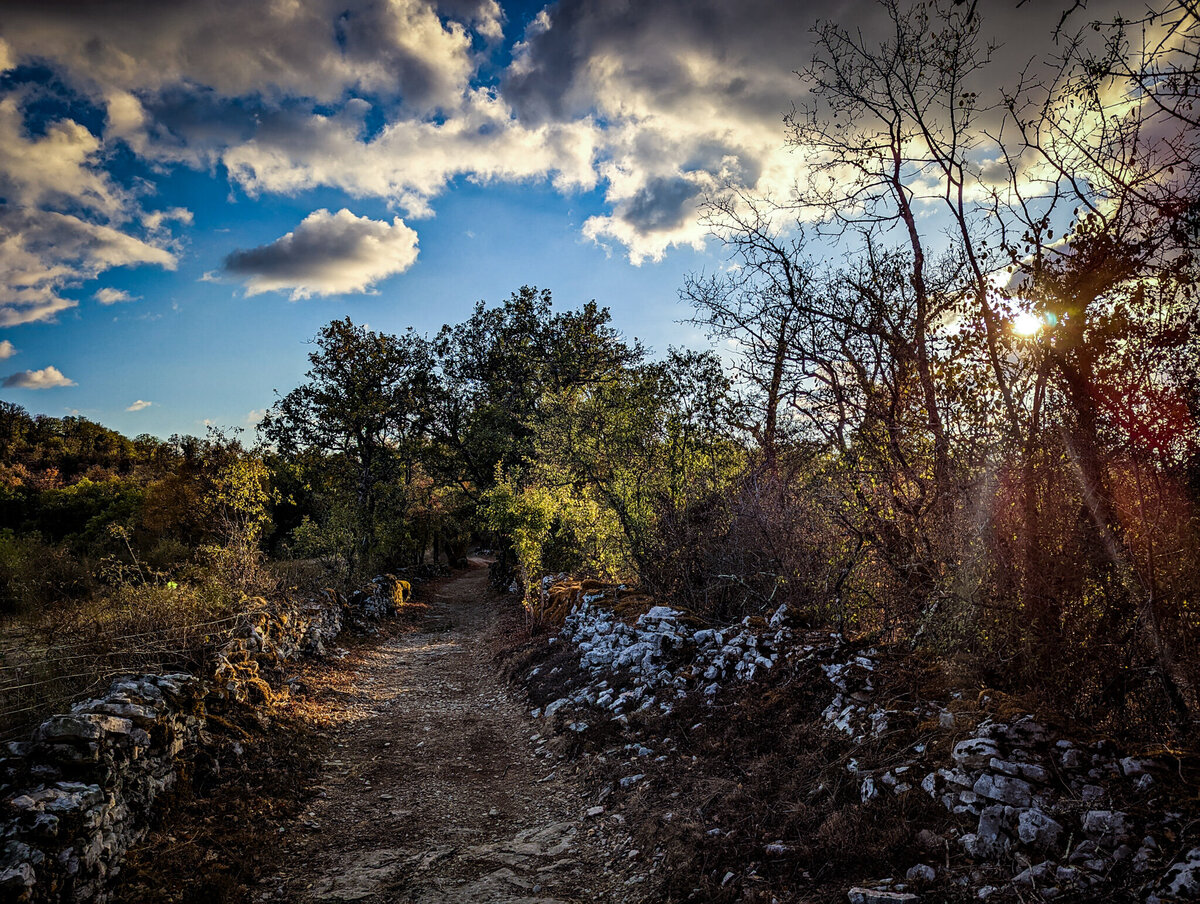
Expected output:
(203, 351)
(231, 175)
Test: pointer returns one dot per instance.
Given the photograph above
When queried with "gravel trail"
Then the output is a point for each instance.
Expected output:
(435, 789)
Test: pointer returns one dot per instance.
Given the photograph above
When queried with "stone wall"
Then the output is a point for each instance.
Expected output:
(1032, 814)
(79, 793)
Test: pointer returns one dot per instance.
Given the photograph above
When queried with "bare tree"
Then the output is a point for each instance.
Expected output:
(1103, 202)
(891, 129)
(755, 307)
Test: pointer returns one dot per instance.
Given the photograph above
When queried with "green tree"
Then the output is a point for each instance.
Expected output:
(498, 367)
(360, 415)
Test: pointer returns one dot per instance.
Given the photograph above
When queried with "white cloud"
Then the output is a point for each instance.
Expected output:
(7, 349)
(319, 49)
(327, 254)
(139, 405)
(65, 218)
(411, 160)
(42, 252)
(692, 95)
(58, 170)
(46, 378)
(659, 102)
(113, 296)
(155, 220)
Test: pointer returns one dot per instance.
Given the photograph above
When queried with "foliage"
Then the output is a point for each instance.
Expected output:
(554, 530)
(358, 418)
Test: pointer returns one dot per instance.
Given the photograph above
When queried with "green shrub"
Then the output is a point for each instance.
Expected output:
(35, 575)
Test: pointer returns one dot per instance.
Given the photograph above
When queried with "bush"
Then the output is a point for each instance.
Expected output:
(310, 540)
(35, 575)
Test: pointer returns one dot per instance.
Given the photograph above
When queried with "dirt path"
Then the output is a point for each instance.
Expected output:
(436, 788)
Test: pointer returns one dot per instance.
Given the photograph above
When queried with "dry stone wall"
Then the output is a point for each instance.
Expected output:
(1035, 815)
(79, 793)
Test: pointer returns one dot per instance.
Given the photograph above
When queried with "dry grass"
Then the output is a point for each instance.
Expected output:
(766, 770)
(51, 658)
(218, 835)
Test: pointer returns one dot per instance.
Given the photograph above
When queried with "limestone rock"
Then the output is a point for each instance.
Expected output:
(1183, 878)
(1004, 788)
(860, 895)
(1037, 829)
(1107, 826)
(922, 872)
(975, 753)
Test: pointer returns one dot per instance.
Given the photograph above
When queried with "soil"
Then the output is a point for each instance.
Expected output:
(426, 781)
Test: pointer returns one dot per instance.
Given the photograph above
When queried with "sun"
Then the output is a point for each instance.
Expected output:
(1026, 324)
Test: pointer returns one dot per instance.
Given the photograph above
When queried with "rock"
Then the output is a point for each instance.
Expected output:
(1066, 875)
(1039, 875)
(1182, 880)
(593, 812)
(1029, 771)
(1143, 859)
(1132, 767)
(868, 791)
(991, 837)
(930, 841)
(365, 877)
(1084, 850)
(1004, 788)
(1073, 759)
(17, 882)
(1107, 826)
(975, 753)
(921, 873)
(977, 848)
(552, 708)
(1037, 829)
(82, 727)
(1024, 731)
(860, 895)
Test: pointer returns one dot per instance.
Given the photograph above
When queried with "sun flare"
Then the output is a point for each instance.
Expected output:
(1026, 324)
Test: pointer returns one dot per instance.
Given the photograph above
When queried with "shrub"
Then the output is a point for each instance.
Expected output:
(35, 575)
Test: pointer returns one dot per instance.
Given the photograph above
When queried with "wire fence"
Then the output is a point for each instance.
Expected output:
(49, 663)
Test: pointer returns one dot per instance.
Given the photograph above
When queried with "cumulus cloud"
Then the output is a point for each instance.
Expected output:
(112, 297)
(139, 405)
(320, 49)
(46, 378)
(410, 161)
(58, 169)
(660, 103)
(43, 252)
(7, 349)
(692, 94)
(327, 254)
(65, 219)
